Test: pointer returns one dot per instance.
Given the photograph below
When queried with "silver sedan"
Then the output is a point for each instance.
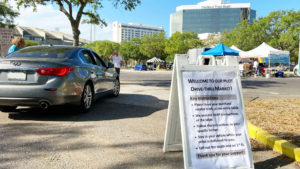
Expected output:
(54, 75)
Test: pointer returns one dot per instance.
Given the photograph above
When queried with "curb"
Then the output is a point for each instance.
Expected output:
(276, 143)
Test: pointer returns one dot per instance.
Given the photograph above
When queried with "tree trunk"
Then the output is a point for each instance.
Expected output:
(76, 33)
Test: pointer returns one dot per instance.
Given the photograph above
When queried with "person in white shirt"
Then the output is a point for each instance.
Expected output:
(255, 66)
(117, 61)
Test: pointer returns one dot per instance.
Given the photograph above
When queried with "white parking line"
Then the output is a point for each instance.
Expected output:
(274, 93)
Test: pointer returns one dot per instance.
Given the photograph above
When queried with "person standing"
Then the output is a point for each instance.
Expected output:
(255, 66)
(18, 43)
(117, 60)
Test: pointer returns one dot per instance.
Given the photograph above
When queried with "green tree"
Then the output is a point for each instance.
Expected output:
(131, 50)
(7, 15)
(245, 36)
(104, 48)
(30, 43)
(284, 30)
(180, 43)
(154, 46)
(76, 9)
(280, 29)
(212, 40)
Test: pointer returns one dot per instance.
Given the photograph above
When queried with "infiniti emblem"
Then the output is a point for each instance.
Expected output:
(16, 63)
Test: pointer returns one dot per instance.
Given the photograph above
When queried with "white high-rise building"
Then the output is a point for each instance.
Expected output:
(126, 32)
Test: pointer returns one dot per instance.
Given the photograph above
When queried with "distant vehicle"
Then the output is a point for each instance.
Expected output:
(140, 67)
(170, 66)
(292, 66)
(54, 75)
(296, 71)
(151, 67)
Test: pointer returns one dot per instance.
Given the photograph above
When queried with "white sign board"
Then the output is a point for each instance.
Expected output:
(6, 35)
(210, 107)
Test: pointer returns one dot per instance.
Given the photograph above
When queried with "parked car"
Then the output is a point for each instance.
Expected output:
(296, 71)
(140, 67)
(55, 75)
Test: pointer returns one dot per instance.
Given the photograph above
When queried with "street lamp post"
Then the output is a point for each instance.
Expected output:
(299, 57)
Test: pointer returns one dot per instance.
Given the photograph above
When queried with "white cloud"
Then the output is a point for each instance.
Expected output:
(46, 17)
(97, 32)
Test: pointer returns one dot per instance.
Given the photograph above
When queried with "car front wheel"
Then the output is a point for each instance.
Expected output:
(86, 99)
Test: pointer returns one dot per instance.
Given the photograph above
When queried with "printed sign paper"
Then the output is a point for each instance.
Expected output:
(215, 120)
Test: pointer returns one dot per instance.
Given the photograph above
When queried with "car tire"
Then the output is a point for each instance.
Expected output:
(86, 98)
(8, 108)
(116, 89)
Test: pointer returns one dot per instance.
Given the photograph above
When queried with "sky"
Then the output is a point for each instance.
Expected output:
(149, 12)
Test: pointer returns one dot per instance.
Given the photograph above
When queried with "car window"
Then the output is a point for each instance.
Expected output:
(98, 60)
(87, 57)
(43, 52)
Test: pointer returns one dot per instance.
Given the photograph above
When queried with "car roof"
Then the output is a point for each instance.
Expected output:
(53, 47)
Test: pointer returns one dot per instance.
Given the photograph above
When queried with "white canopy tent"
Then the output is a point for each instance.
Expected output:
(236, 48)
(155, 60)
(239, 50)
(264, 51)
(268, 54)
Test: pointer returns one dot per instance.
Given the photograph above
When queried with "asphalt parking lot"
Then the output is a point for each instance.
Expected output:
(123, 132)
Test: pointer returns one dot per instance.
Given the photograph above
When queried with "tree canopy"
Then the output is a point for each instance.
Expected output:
(180, 43)
(280, 29)
(7, 15)
(104, 48)
(147, 47)
(153, 46)
(76, 9)
(131, 50)
(30, 43)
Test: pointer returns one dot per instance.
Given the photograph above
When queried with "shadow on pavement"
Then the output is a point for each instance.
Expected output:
(154, 156)
(156, 83)
(273, 163)
(253, 84)
(24, 140)
(124, 106)
(291, 137)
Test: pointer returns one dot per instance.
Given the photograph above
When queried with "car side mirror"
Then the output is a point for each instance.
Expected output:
(110, 65)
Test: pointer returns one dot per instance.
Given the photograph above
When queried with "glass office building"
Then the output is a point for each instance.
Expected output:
(211, 16)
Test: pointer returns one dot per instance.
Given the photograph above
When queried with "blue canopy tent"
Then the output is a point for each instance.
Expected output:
(221, 50)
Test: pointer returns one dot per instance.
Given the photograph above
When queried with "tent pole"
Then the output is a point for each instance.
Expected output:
(269, 64)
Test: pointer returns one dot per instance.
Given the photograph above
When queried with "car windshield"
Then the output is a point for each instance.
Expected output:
(43, 52)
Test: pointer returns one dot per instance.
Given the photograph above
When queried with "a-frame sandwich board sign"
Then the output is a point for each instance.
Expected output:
(206, 116)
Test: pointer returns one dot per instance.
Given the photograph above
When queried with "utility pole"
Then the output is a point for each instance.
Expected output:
(91, 36)
(299, 57)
